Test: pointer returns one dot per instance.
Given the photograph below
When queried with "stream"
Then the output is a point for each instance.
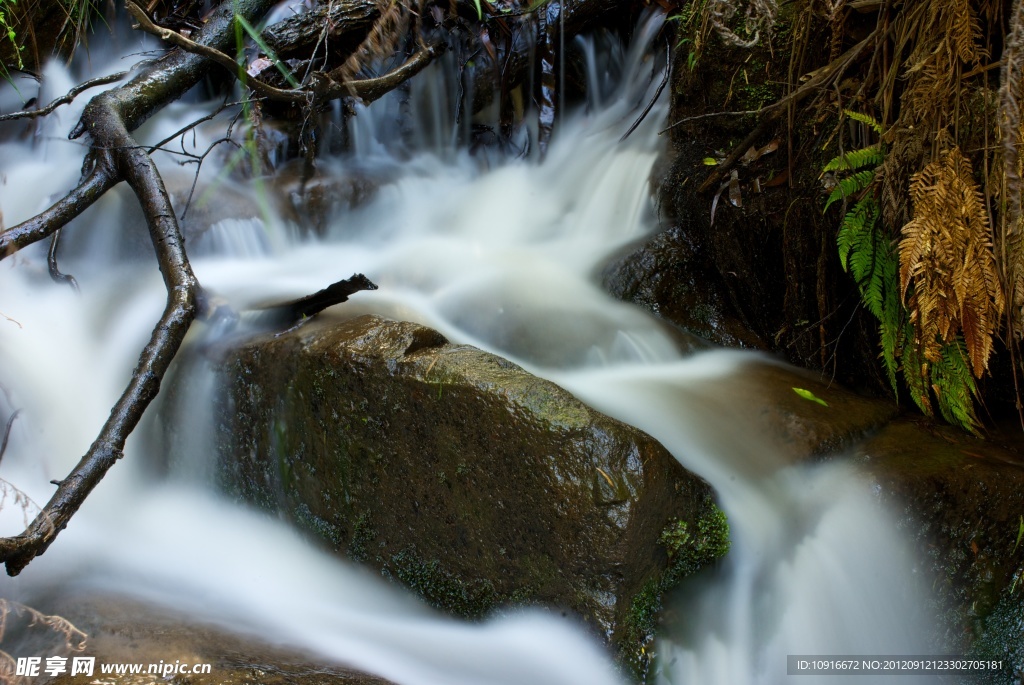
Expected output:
(494, 251)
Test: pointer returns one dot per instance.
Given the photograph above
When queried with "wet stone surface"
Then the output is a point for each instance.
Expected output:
(960, 499)
(456, 473)
(128, 631)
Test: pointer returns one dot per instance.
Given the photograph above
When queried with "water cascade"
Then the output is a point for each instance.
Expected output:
(493, 251)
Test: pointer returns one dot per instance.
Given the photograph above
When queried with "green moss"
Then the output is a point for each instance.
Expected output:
(441, 589)
(363, 536)
(327, 532)
(755, 92)
(638, 628)
(675, 537)
(688, 552)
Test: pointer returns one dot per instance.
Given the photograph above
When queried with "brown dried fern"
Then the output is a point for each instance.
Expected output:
(1011, 129)
(383, 40)
(946, 255)
(74, 639)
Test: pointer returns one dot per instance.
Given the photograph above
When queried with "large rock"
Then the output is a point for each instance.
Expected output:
(961, 499)
(462, 476)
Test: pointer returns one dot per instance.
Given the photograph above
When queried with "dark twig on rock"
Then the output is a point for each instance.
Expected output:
(287, 314)
(657, 93)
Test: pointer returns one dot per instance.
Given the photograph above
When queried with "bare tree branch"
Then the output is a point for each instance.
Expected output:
(64, 99)
(108, 119)
(96, 182)
(322, 88)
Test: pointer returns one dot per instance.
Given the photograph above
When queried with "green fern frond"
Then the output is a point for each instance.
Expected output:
(891, 331)
(916, 372)
(870, 156)
(852, 229)
(866, 119)
(954, 386)
(855, 238)
(850, 185)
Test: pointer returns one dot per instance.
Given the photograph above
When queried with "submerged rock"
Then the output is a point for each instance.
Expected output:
(462, 476)
(961, 499)
(130, 632)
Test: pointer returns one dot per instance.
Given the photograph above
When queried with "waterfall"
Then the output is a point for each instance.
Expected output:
(501, 254)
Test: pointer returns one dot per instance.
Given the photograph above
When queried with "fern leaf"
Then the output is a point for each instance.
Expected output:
(916, 372)
(866, 119)
(891, 338)
(870, 156)
(856, 226)
(850, 185)
(946, 257)
(954, 386)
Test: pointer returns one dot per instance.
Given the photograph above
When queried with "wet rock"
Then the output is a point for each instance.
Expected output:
(753, 261)
(799, 414)
(313, 203)
(668, 276)
(126, 631)
(460, 475)
(961, 499)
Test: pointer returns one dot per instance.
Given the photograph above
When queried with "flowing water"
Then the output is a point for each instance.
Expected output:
(494, 251)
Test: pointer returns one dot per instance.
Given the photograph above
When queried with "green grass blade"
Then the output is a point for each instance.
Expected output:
(271, 55)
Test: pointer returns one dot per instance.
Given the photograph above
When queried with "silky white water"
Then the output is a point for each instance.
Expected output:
(501, 254)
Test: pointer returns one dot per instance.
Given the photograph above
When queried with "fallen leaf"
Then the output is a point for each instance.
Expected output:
(258, 65)
(808, 395)
(735, 195)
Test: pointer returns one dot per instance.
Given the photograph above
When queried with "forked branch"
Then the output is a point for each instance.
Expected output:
(108, 119)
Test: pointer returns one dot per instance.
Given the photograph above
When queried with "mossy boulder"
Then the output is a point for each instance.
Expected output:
(456, 472)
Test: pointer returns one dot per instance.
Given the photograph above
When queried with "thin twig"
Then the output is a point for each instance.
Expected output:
(51, 263)
(65, 99)
(188, 127)
(816, 78)
(657, 93)
(7, 432)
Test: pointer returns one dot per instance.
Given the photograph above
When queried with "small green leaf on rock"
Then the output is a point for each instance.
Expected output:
(808, 395)
(710, 161)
